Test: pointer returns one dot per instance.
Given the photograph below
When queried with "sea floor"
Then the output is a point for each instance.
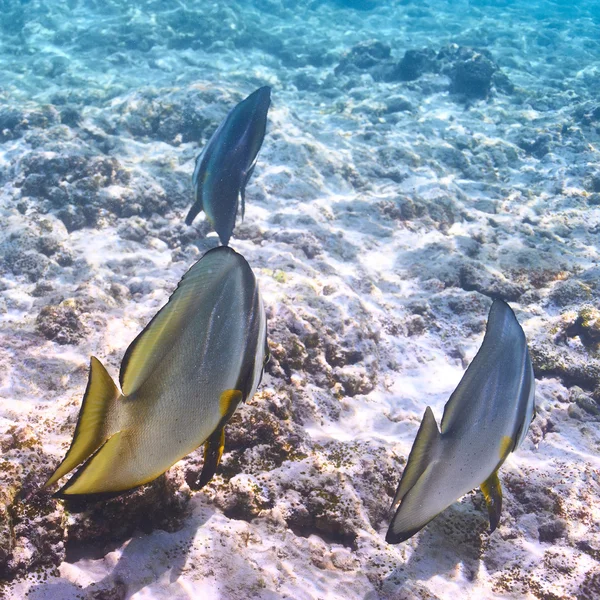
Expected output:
(393, 198)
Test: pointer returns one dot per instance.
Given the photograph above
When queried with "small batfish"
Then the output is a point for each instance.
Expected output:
(181, 380)
(486, 418)
(226, 164)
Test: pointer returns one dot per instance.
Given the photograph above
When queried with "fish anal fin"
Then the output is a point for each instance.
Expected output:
(421, 455)
(213, 451)
(243, 188)
(94, 476)
(198, 179)
(492, 492)
(94, 421)
(196, 208)
(214, 445)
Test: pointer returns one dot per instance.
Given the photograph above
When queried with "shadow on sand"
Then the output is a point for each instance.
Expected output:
(145, 559)
(450, 544)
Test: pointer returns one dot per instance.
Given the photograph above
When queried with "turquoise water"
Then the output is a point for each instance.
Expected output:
(420, 159)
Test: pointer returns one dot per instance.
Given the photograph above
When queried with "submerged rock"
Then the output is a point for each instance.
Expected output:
(538, 144)
(440, 213)
(364, 55)
(31, 526)
(174, 118)
(472, 71)
(414, 64)
(554, 359)
(14, 122)
(472, 77)
(63, 323)
(587, 327)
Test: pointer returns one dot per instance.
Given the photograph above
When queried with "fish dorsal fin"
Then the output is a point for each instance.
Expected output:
(198, 183)
(502, 326)
(156, 340)
(96, 418)
(421, 455)
(492, 492)
(243, 188)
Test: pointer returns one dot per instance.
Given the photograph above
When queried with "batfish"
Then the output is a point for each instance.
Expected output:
(226, 164)
(486, 418)
(181, 379)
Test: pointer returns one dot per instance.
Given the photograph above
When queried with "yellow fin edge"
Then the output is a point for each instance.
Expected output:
(492, 492)
(93, 423)
(506, 446)
(228, 402)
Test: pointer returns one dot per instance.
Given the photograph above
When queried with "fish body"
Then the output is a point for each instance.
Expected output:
(226, 164)
(485, 419)
(181, 380)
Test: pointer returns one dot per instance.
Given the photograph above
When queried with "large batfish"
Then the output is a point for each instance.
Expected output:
(181, 380)
(226, 164)
(486, 418)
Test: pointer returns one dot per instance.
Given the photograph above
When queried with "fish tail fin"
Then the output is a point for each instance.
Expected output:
(492, 492)
(94, 422)
(213, 450)
(420, 455)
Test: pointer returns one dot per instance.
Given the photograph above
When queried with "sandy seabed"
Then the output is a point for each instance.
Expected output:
(394, 196)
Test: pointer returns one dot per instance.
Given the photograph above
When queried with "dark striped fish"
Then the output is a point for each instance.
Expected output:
(226, 164)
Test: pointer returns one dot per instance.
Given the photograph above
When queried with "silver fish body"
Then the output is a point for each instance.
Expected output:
(181, 380)
(226, 164)
(485, 419)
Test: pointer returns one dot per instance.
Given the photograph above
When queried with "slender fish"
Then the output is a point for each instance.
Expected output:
(181, 379)
(227, 162)
(486, 418)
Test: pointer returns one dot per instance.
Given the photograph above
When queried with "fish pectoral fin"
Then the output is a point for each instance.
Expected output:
(213, 451)
(421, 455)
(93, 426)
(492, 492)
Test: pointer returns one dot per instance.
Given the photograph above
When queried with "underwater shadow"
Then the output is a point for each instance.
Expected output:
(448, 265)
(145, 559)
(453, 538)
